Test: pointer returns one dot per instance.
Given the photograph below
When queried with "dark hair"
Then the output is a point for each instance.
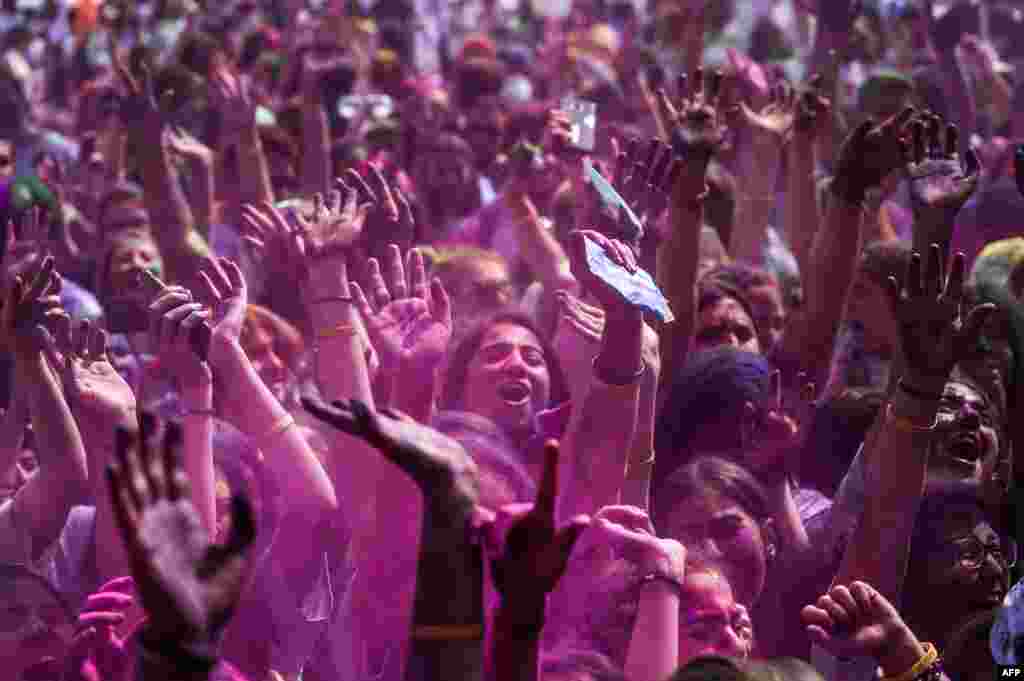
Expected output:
(466, 348)
(713, 383)
(710, 292)
(883, 259)
(704, 475)
(196, 52)
(10, 572)
(836, 431)
(596, 665)
(710, 668)
(740, 276)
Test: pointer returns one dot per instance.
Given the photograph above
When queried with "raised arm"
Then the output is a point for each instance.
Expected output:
(802, 217)
(868, 155)
(316, 134)
(602, 425)
(239, 134)
(248, 403)
(173, 223)
(40, 508)
(933, 337)
(199, 161)
(697, 133)
(448, 615)
(188, 587)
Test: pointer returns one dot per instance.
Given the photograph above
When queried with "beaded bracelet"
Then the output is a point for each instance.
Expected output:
(448, 632)
(923, 668)
(674, 583)
(338, 331)
(281, 425)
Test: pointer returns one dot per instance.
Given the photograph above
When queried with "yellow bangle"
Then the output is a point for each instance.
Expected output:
(905, 424)
(339, 330)
(931, 654)
(449, 632)
(281, 425)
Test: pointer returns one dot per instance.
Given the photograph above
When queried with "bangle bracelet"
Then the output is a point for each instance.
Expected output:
(619, 380)
(906, 425)
(281, 425)
(448, 632)
(674, 583)
(924, 664)
(342, 330)
(918, 393)
(332, 299)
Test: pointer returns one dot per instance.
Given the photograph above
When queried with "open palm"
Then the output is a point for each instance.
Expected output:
(94, 388)
(409, 321)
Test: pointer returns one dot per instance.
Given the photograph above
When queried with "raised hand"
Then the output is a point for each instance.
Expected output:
(232, 96)
(698, 128)
(97, 651)
(769, 435)
(389, 218)
(857, 621)
(645, 178)
(869, 155)
(25, 246)
(97, 394)
(182, 142)
(941, 181)
(934, 335)
(535, 551)
(769, 127)
(140, 107)
(627, 533)
(612, 302)
(409, 320)
(438, 465)
(30, 308)
(172, 317)
(813, 109)
(188, 586)
(223, 289)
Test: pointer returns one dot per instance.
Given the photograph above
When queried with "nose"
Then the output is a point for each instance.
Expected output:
(992, 566)
(707, 549)
(967, 417)
(731, 339)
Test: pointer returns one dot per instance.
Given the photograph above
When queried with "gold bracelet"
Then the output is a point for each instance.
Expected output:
(931, 654)
(449, 632)
(341, 330)
(905, 424)
(281, 425)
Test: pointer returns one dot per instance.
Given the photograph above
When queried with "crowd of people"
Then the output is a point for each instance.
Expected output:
(516, 340)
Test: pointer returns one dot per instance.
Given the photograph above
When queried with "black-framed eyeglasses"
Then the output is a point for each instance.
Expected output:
(972, 553)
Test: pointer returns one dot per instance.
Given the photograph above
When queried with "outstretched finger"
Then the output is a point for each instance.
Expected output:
(715, 87)
(384, 192)
(416, 270)
(396, 272)
(952, 140)
(547, 490)
(912, 282)
(127, 468)
(954, 287)
(440, 304)
(933, 277)
(243, 526)
(356, 180)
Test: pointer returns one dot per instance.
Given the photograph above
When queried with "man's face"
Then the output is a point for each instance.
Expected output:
(7, 159)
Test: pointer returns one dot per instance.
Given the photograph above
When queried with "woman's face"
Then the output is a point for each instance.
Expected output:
(968, 572)
(967, 446)
(769, 313)
(869, 304)
(726, 538)
(128, 257)
(259, 344)
(711, 622)
(34, 626)
(507, 380)
(725, 322)
(17, 474)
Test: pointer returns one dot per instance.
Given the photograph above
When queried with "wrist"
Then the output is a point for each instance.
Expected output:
(900, 653)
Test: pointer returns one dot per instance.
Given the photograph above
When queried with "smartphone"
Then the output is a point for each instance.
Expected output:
(583, 118)
(130, 313)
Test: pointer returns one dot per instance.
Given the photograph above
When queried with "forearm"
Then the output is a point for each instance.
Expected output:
(653, 652)
(677, 278)
(197, 454)
(801, 222)
(258, 414)
(316, 144)
(792, 534)
(165, 201)
(413, 392)
(202, 194)
(965, 110)
(637, 486)
(896, 460)
(12, 427)
(539, 248)
(811, 333)
(447, 557)
(253, 173)
(516, 640)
